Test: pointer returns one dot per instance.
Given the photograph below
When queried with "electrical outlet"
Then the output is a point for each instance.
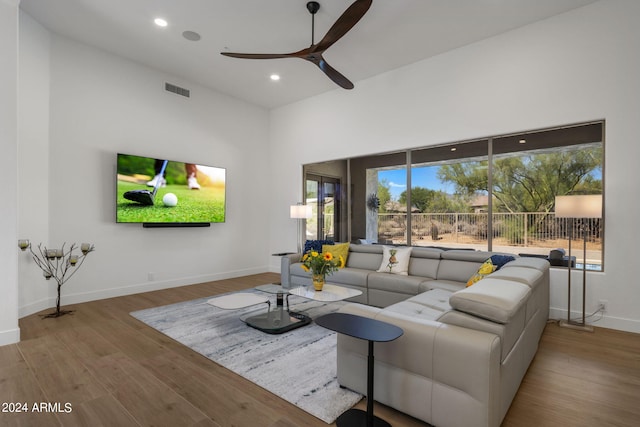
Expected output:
(602, 305)
(151, 276)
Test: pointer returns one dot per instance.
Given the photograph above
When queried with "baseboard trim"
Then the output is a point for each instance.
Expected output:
(81, 297)
(10, 336)
(575, 326)
(609, 322)
(35, 307)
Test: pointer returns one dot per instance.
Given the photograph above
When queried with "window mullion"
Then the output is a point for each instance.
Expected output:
(490, 195)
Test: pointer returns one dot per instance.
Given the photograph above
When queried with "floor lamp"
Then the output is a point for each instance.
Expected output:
(578, 207)
(300, 212)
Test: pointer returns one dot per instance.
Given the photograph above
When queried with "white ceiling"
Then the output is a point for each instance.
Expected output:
(392, 34)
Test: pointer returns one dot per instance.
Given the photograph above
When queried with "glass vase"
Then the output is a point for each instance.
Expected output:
(318, 281)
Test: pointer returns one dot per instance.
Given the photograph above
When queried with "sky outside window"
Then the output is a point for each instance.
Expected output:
(424, 176)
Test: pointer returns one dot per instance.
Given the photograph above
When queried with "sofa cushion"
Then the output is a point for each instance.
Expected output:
(437, 299)
(484, 270)
(460, 265)
(395, 260)
(447, 285)
(457, 270)
(528, 276)
(349, 276)
(414, 310)
(424, 262)
(500, 260)
(468, 256)
(394, 283)
(537, 263)
(509, 333)
(366, 257)
(316, 245)
(493, 299)
(338, 250)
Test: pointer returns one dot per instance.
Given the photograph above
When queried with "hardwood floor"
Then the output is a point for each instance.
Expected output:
(113, 370)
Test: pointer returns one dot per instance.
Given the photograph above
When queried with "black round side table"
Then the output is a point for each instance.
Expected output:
(373, 331)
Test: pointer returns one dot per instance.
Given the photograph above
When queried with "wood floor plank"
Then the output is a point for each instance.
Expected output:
(225, 402)
(115, 370)
(128, 341)
(60, 374)
(149, 400)
(581, 379)
(29, 419)
(10, 355)
(20, 391)
(104, 411)
(85, 343)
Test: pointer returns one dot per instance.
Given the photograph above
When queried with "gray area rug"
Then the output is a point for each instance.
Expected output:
(298, 366)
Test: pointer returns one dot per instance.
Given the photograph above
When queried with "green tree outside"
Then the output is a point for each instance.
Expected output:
(384, 194)
(530, 183)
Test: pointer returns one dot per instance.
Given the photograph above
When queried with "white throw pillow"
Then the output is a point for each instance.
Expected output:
(395, 260)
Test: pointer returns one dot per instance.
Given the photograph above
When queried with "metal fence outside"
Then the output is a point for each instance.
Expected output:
(531, 230)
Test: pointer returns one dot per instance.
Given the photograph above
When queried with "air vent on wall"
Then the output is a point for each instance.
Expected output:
(176, 89)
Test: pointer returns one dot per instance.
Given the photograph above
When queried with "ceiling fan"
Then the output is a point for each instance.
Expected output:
(314, 52)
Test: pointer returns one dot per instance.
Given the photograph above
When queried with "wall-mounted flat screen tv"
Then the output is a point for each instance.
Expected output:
(164, 192)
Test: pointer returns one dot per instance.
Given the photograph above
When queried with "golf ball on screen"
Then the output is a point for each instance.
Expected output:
(170, 199)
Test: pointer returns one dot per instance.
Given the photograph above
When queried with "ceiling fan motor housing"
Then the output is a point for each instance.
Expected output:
(313, 7)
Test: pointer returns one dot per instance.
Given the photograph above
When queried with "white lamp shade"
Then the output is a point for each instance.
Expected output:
(583, 206)
(300, 211)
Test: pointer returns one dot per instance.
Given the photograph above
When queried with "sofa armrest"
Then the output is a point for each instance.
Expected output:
(285, 268)
(492, 299)
(448, 375)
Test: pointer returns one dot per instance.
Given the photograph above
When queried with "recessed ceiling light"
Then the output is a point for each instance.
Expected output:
(274, 77)
(522, 141)
(454, 149)
(160, 22)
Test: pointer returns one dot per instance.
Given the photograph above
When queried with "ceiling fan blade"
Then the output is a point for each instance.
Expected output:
(259, 55)
(313, 53)
(333, 74)
(346, 21)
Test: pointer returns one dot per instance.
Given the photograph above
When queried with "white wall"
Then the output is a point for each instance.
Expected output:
(33, 159)
(575, 67)
(100, 104)
(9, 330)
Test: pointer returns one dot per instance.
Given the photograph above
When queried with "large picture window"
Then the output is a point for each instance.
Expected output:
(492, 194)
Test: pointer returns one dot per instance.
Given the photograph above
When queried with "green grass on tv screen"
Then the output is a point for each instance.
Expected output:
(204, 205)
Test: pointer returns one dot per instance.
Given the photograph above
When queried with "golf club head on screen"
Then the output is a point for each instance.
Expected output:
(146, 197)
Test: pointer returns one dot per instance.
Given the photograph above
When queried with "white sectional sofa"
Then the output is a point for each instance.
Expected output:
(464, 350)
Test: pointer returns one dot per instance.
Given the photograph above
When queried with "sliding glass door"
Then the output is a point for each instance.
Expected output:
(323, 195)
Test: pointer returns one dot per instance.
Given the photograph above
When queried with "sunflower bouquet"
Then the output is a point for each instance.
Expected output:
(322, 263)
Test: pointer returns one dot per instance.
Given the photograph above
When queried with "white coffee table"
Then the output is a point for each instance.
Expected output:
(276, 321)
(329, 293)
(238, 300)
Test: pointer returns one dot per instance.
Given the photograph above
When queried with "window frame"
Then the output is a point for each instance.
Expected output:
(536, 140)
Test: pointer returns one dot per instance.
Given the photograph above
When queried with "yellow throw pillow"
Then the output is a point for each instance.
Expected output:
(338, 250)
(485, 269)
